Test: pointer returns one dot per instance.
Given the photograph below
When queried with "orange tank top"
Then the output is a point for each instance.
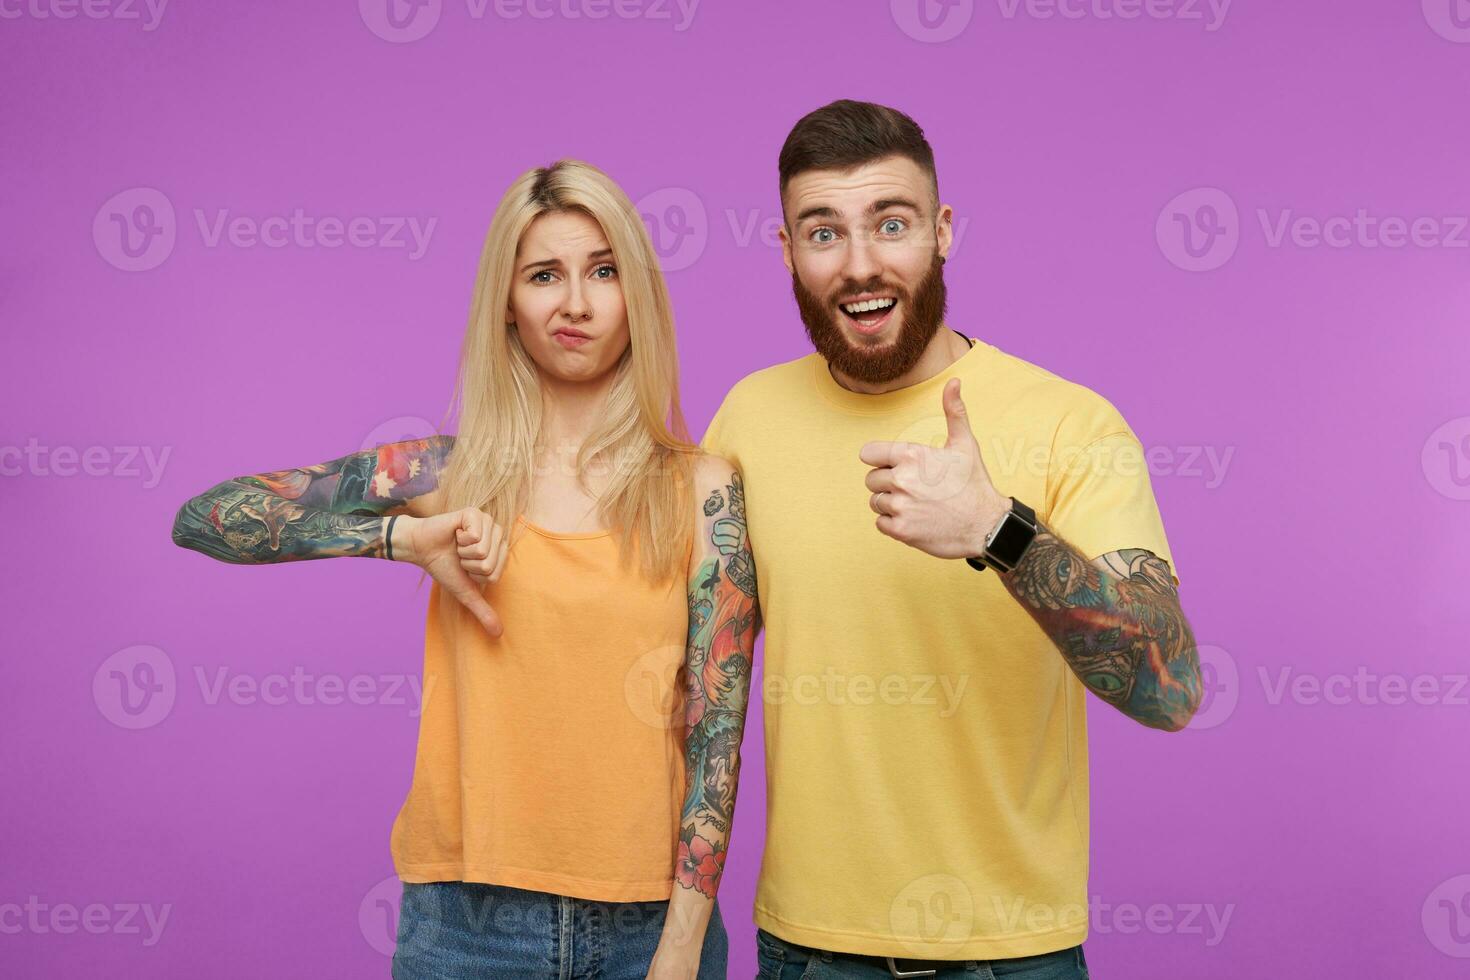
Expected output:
(552, 758)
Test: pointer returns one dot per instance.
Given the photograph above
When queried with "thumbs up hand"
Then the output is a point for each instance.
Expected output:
(940, 501)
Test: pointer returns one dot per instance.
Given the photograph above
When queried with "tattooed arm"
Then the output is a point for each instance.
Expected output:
(724, 619)
(330, 510)
(1118, 623)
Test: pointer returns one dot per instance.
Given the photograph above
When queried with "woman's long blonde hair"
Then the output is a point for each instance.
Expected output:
(643, 438)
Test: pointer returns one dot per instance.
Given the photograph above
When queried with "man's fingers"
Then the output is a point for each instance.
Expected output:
(956, 418)
(880, 479)
(881, 503)
(885, 453)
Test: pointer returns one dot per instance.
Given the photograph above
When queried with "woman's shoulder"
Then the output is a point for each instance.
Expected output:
(712, 469)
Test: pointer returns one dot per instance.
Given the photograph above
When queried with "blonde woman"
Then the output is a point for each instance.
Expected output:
(590, 623)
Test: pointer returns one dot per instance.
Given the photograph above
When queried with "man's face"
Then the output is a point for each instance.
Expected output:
(865, 250)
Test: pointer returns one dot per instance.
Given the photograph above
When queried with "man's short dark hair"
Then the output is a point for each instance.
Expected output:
(845, 134)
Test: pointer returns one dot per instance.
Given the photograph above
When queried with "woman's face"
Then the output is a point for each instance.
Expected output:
(567, 300)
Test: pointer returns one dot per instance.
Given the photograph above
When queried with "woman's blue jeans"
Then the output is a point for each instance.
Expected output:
(452, 929)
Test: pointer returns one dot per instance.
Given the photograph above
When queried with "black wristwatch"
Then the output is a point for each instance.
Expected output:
(1008, 541)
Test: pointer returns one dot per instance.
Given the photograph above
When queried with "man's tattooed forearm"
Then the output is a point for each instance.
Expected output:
(1120, 627)
(330, 510)
(723, 622)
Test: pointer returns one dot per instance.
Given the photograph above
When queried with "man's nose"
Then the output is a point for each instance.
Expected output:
(860, 263)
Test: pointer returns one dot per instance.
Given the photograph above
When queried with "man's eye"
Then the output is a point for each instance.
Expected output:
(824, 236)
(893, 226)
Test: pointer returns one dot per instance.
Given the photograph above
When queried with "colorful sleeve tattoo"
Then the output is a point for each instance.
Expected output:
(1118, 624)
(331, 510)
(723, 622)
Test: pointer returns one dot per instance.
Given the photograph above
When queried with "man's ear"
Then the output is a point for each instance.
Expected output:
(786, 250)
(944, 230)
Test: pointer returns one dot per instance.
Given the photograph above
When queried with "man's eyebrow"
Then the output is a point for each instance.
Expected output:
(817, 212)
(880, 205)
(889, 203)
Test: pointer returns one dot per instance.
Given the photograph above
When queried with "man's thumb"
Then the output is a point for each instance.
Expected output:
(957, 420)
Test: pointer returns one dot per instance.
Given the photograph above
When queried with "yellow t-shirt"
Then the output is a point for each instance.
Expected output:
(926, 744)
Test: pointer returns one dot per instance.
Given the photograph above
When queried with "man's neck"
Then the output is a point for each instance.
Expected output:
(945, 347)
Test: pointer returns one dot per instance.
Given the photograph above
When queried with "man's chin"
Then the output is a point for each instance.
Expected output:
(887, 336)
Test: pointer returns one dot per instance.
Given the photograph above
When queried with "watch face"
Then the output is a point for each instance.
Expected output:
(1011, 539)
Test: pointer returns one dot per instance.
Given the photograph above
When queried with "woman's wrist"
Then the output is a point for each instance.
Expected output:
(687, 918)
(398, 538)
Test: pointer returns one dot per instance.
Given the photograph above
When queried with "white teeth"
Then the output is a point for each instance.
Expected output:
(867, 306)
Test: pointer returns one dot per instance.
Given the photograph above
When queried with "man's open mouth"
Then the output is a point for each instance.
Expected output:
(868, 315)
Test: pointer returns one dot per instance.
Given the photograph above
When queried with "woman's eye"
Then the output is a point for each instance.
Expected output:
(536, 276)
(824, 236)
(605, 272)
(893, 226)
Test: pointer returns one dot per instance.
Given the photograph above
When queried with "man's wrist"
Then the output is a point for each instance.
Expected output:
(995, 512)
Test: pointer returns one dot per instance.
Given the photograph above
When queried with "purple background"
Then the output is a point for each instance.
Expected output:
(1332, 543)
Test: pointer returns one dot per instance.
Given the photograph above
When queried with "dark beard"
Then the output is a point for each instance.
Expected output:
(923, 312)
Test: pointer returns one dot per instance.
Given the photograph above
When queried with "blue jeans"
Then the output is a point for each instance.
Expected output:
(780, 960)
(453, 929)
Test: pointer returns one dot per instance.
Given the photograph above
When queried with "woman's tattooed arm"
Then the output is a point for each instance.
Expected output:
(1118, 623)
(330, 510)
(723, 621)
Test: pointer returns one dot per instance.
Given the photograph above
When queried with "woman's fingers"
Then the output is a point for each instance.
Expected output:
(469, 537)
(481, 546)
(500, 559)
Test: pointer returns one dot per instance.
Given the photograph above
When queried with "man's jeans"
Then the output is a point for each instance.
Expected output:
(780, 960)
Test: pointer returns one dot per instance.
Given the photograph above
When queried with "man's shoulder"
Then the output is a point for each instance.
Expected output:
(1053, 400)
(765, 384)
